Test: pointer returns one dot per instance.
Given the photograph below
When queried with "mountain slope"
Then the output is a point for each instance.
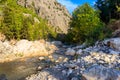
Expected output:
(56, 14)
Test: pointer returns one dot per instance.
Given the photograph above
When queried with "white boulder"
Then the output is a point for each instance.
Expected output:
(30, 47)
(70, 52)
(113, 43)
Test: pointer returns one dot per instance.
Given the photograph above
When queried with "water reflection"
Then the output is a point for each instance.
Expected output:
(20, 68)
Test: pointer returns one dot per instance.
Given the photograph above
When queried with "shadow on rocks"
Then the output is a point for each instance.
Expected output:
(3, 77)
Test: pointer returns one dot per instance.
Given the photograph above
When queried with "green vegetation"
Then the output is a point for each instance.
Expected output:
(108, 9)
(118, 8)
(89, 25)
(18, 22)
(86, 25)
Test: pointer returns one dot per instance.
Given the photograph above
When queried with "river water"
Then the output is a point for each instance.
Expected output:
(20, 68)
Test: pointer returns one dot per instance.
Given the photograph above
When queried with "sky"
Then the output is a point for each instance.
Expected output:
(72, 4)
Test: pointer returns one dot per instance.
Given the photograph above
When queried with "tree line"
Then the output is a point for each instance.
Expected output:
(89, 24)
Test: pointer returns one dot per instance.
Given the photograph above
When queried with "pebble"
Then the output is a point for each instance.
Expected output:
(41, 58)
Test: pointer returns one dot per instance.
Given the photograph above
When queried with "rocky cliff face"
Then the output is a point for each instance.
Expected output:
(56, 14)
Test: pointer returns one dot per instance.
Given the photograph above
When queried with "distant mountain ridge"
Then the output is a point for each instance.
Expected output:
(56, 14)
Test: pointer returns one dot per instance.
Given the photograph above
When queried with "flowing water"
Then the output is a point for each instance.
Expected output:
(20, 68)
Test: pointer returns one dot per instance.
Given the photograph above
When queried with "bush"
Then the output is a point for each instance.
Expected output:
(15, 25)
(85, 25)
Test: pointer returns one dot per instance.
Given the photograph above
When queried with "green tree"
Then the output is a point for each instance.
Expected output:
(2, 1)
(8, 22)
(108, 9)
(85, 25)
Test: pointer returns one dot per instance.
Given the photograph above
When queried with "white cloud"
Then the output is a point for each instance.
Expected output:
(69, 5)
(93, 3)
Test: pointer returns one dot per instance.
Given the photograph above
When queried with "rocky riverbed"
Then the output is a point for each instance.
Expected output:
(68, 62)
(98, 62)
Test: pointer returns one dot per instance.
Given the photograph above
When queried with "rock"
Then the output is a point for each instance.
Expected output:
(81, 46)
(39, 68)
(72, 66)
(65, 60)
(38, 47)
(46, 75)
(114, 52)
(56, 14)
(79, 52)
(41, 58)
(74, 78)
(70, 52)
(50, 57)
(43, 75)
(93, 63)
(22, 46)
(88, 59)
(97, 72)
(5, 48)
(3, 77)
(57, 43)
(107, 59)
(30, 47)
(13, 42)
(113, 43)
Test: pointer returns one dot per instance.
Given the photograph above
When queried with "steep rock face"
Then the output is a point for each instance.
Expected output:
(56, 14)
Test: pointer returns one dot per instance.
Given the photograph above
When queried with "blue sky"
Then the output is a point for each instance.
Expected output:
(72, 4)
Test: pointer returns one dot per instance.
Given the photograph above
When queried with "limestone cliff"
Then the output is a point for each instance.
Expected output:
(56, 14)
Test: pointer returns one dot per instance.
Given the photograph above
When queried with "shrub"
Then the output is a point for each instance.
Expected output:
(15, 25)
(85, 25)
